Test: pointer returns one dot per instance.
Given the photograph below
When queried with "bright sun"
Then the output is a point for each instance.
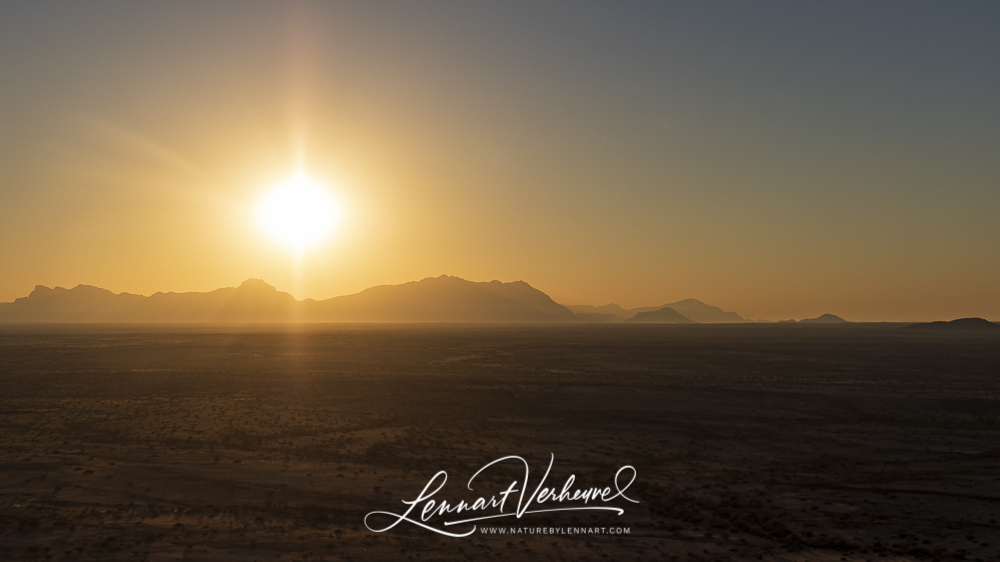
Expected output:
(298, 213)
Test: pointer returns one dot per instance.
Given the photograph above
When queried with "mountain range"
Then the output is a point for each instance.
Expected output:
(437, 299)
(665, 315)
(434, 299)
(959, 325)
(688, 310)
(822, 319)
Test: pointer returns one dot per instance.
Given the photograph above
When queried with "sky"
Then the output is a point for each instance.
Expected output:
(777, 159)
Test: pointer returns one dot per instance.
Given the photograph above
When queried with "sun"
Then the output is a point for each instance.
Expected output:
(298, 213)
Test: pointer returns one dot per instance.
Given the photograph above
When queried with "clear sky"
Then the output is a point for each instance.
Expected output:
(779, 159)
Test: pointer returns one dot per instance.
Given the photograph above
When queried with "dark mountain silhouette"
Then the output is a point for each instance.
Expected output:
(702, 313)
(690, 308)
(82, 302)
(960, 325)
(824, 319)
(443, 299)
(253, 301)
(440, 299)
(665, 315)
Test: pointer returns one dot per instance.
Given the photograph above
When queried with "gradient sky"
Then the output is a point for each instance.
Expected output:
(779, 159)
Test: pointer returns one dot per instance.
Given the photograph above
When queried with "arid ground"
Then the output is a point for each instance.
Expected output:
(773, 442)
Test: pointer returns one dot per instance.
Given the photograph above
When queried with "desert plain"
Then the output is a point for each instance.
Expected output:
(750, 442)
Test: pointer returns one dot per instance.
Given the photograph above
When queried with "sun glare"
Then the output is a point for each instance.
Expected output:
(298, 213)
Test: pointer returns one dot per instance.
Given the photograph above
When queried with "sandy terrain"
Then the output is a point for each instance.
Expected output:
(772, 442)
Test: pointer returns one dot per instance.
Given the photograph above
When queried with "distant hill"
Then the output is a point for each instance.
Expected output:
(824, 319)
(702, 313)
(692, 309)
(439, 299)
(254, 300)
(82, 303)
(665, 315)
(443, 299)
(960, 325)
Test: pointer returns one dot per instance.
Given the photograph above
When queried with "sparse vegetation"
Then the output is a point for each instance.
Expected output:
(750, 442)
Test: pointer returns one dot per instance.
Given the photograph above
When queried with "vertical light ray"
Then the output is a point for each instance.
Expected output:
(301, 83)
(302, 64)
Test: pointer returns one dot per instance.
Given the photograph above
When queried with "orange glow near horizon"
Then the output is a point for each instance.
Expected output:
(633, 156)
